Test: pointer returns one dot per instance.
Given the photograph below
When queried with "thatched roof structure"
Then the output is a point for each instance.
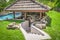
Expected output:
(27, 6)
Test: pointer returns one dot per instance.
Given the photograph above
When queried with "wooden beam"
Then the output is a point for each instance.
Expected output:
(28, 10)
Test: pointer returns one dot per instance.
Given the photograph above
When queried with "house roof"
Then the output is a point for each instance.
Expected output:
(27, 6)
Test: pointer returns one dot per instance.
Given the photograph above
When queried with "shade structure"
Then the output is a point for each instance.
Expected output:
(27, 6)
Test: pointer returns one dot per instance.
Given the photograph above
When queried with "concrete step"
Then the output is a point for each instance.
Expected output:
(34, 36)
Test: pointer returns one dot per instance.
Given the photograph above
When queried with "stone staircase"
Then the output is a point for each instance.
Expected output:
(39, 33)
(34, 34)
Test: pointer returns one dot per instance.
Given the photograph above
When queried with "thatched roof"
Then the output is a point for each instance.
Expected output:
(27, 6)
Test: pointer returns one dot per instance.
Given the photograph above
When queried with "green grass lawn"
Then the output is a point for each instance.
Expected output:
(6, 34)
(54, 29)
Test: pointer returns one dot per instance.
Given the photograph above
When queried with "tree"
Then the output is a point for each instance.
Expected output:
(3, 4)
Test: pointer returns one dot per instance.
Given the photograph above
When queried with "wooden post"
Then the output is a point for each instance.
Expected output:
(14, 14)
(25, 15)
(43, 14)
(40, 15)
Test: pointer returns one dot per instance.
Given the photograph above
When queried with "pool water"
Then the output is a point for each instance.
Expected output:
(10, 16)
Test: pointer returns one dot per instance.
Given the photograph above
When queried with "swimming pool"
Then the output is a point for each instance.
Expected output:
(10, 16)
